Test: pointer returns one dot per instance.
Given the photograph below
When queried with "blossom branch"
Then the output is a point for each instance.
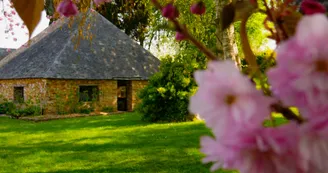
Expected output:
(187, 35)
(286, 112)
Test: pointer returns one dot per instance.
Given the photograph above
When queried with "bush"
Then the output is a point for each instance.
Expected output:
(6, 107)
(166, 97)
(108, 109)
(31, 110)
(86, 110)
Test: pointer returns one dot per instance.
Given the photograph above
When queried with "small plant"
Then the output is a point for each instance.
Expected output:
(6, 107)
(20, 111)
(108, 109)
(86, 110)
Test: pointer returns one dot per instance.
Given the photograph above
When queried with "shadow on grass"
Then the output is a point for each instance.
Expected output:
(110, 122)
(137, 147)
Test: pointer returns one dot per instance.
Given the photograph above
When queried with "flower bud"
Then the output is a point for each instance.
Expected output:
(310, 7)
(170, 11)
(179, 36)
(198, 8)
(67, 8)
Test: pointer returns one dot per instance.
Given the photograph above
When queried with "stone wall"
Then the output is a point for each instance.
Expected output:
(137, 85)
(34, 89)
(60, 95)
(63, 94)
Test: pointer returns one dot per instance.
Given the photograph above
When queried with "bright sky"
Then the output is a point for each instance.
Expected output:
(7, 40)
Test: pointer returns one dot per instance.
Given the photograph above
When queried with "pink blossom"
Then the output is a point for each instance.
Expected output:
(302, 71)
(310, 7)
(314, 145)
(261, 150)
(170, 11)
(67, 8)
(227, 99)
(98, 2)
(15, 39)
(198, 8)
(179, 36)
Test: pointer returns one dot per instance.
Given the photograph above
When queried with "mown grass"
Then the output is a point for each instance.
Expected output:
(118, 143)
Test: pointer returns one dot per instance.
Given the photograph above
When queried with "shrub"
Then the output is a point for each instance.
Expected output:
(108, 109)
(86, 110)
(166, 96)
(6, 107)
(30, 110)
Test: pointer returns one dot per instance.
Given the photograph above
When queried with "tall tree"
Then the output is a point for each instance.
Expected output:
(226, 43)
(132, 16)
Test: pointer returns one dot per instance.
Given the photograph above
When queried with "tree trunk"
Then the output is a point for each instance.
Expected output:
(226, 43)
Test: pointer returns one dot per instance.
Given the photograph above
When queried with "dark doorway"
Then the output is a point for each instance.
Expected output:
(122, 95)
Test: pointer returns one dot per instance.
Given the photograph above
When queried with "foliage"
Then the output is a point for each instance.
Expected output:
(132, 16)
(6, 107)
(108, 109)
(167, 95)
(264, 61)
(86, 110)
(22, 110)
(68, 103)
(255, 31)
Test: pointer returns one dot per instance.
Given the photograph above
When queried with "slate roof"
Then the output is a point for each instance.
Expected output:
(3, 53)
(111, 55)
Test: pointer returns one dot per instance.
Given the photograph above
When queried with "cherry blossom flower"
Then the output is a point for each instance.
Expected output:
(302, 71)
(261, 150)
(227, 99)
(67, 8)
(314, 144)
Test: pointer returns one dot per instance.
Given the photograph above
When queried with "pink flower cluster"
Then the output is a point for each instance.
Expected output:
(171, 12)
(235, 110)
(68, 8)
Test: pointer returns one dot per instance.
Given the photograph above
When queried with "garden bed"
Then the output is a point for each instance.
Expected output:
(56, 117)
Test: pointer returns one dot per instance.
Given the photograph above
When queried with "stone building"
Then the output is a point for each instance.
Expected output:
(58, 72)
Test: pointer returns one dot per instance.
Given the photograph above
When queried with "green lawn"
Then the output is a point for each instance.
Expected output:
(118, 143)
